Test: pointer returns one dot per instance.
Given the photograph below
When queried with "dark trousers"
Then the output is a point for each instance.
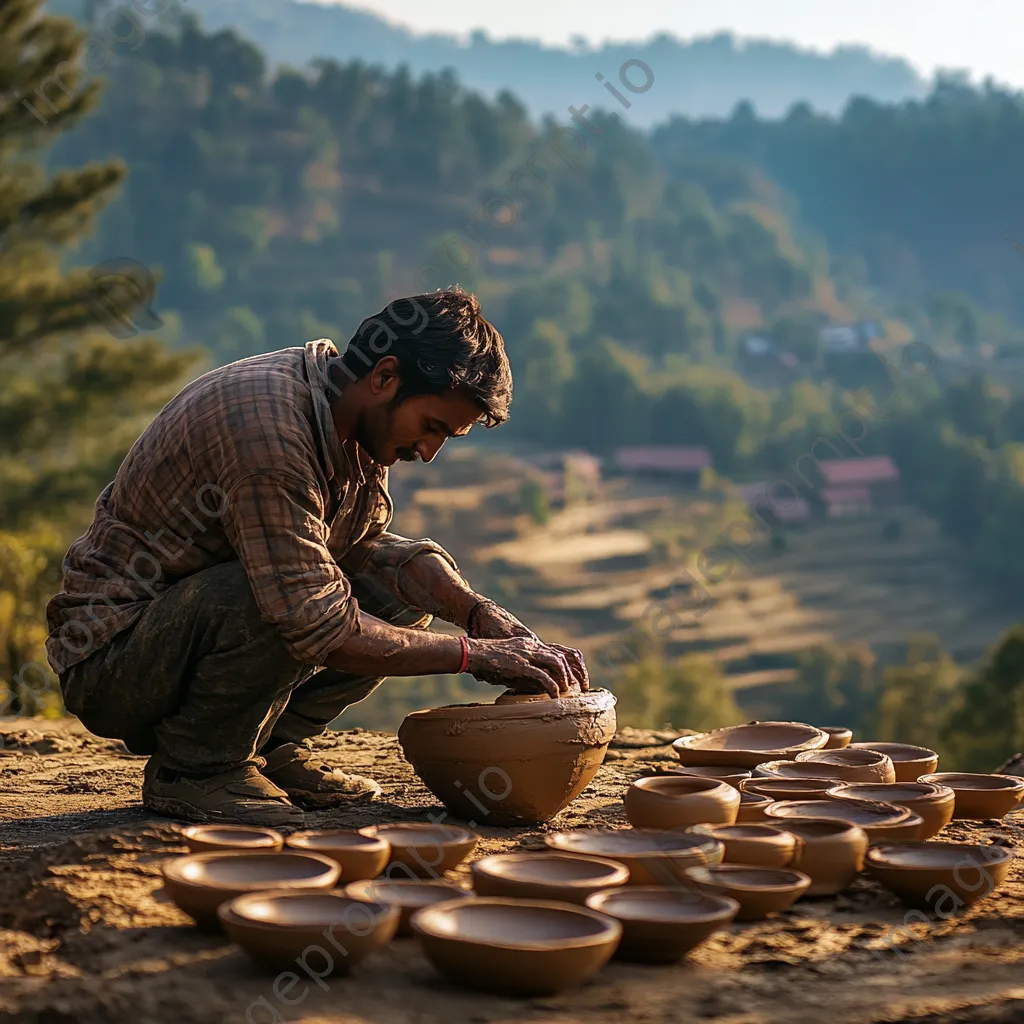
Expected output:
(202, 679)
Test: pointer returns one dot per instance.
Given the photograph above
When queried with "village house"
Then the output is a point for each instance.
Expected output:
(855, 487)
(684, 464)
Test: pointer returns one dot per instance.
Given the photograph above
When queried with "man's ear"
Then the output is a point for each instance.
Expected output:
(385, 375)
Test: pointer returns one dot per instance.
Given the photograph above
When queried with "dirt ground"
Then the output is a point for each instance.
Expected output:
(87, 936)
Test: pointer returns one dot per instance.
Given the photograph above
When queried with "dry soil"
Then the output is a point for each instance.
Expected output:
(86, 934)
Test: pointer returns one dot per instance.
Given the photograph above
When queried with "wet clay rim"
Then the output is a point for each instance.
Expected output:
(893, 750)
(843, 757)
(929, 791)
(897, 814)
(173, 869)
(561, 842)
(610, 928)
(592, 702)
(305, 839)
(426, 832)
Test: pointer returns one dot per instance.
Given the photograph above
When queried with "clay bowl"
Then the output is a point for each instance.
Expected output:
(406, 895)
(909, 761)
(830, 852)
(765, 846)
(838, 736)
(933, 803)
(935, 876)
(753, 807)
(748, 745)
(199, 883)
(870, 815)
(357, 855)
(218, 838)
(424, 850)
(653, 858)
(980, 796)
(731, 774)
(850, 765)
(510, 763)
(280, 928)
(758, 891)
(782, 790)
(569, 878)
(661, 925)
(516, 947)
(909, 830)
(674, 801)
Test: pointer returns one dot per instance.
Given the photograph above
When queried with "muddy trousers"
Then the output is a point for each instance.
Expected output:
(202, 679)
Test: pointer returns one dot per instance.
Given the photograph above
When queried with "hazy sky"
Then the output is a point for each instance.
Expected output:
(983, 36)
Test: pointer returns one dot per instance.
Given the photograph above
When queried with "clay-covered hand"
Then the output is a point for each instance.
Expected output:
(577, 665)
(521, 663)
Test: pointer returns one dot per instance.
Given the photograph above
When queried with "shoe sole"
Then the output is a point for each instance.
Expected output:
(184, 811)
(317, 801)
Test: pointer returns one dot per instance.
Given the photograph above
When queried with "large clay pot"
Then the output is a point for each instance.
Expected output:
(748, 745)
(677, 801)
(932, 802)
(830, 852)
(518, 762)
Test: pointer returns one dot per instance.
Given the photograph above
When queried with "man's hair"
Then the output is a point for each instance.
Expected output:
(442, 342)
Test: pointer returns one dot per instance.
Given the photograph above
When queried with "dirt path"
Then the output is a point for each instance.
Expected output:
(87, 937)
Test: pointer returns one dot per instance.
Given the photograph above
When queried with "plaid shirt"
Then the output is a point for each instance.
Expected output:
(244, 463)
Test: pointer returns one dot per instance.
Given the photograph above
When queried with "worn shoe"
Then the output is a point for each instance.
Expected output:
(311, 783)
(240, 795)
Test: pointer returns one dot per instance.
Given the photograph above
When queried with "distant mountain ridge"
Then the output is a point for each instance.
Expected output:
(704, 77)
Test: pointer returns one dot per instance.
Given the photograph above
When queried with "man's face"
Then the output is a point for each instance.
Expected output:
(416, 427)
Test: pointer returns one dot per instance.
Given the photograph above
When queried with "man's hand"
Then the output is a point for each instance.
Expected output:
(522, 663)
(489, 621)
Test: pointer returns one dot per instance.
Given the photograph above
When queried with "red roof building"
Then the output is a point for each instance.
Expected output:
(877, 469)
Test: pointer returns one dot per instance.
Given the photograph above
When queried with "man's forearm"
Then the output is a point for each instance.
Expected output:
(429, 582)
(380, 649)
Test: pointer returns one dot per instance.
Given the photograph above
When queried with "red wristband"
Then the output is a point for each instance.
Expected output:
(465, 655)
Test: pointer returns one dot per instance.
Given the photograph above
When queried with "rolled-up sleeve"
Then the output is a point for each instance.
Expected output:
(383, 554)
(275, 523)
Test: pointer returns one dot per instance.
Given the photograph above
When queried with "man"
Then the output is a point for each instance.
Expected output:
(239, 588)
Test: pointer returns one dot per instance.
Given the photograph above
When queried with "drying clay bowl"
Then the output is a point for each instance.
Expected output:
(218, 838)
(357, 855)
(909, 761)
(748, 745)
(753, 807)
(870, 815)
(730, 773)
(568, 878)
(326, 930)
(675, 801)
(653, 858)
(423, 850)
(662, 925)
(850, 765)
(513, 947)
(783, 790)
(942, 877)
(510, 763)
(758, 891)
(838, 736)
(406, 895)
(980, 796)
(933, 803)
(766, 846)
(199, 883)
(830, 852)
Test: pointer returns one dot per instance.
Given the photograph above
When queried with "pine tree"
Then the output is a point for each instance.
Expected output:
(76, 386)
